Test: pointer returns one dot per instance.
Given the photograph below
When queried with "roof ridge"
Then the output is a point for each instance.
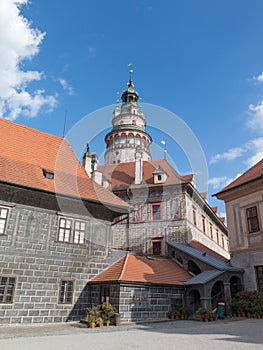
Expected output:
(123, 267)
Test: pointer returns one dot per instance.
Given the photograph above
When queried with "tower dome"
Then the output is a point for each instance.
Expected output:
(128, 130)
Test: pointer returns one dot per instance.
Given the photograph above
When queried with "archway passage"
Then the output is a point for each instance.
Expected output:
(217, 293)
(194, 301)
(193, 267)
(235, 285)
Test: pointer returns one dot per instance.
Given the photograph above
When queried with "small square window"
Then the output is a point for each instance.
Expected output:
(48, 174)
(7, 288)
(66, 292)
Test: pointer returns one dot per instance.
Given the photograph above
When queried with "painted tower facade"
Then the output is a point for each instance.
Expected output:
(128, 131)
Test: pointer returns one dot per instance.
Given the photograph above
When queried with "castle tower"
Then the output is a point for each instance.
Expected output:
(128, 130)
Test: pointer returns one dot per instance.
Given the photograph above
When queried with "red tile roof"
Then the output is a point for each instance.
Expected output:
(26, 152)
(251, 174)
(122, 175)
(140, 269)
(202, 248)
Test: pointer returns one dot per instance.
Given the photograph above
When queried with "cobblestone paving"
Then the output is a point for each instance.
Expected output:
(183, 335)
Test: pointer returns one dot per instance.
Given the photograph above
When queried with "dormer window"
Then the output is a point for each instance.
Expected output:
(159, 175)
(49, 174)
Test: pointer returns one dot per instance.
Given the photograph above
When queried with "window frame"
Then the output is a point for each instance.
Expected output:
(259, 277)
(5, 289)
(68, 232)
(5, 220)
(203, 224)
(153, 218)
(194, 216)
(157, 240)
(251, 221)
(64, 293)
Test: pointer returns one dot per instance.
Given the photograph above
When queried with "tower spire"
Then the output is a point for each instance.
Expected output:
(130, 83)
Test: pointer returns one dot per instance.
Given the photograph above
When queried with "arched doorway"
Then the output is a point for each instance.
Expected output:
(194, 301)
(193, 267)
(217, 293)
(235, 285)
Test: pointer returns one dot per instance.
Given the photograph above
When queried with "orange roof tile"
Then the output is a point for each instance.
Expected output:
(251, 174)
(122, 175)
(140, 269)
(202, 248)
(25, 152)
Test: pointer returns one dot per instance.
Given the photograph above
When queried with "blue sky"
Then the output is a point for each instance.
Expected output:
(200, 59)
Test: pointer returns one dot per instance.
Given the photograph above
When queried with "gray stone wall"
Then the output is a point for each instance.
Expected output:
(31, 253)
(144, 303)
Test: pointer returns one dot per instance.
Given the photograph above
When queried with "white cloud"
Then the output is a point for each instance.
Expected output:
(19, 42)
(255, 121)
(259, 78)
(217, 182)
(256, 145)
(231, 154)
(66, 86)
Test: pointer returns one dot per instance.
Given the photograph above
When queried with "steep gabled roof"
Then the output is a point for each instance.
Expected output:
(143, 269)
(253, 173)
(26, 154)
(122, 175)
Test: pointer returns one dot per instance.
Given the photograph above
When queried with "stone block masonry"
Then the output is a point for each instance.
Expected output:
(31, 253)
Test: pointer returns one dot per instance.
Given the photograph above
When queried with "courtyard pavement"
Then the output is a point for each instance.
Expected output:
(230, 334)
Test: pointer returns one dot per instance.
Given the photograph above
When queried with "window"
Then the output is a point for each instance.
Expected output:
(211, 230)
(194, 216)
(104, 294)
(203, 223)
(71, 231)
(252, 219)
(7, 288)
(66, 292)
(159, 177)
(217, 236)
(49, 174)
(156, 212)
(3, 220)
(259, 276)
(157, 247)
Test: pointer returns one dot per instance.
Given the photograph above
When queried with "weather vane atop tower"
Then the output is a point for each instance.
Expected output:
(130, 83)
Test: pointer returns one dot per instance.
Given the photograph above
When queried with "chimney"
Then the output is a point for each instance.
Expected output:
(138, 166)
(90, 161)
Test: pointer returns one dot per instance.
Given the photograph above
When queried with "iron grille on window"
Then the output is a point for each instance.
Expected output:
(3, 220)
(7, 288)
(71, 231)
(66, 292)
(252, 220)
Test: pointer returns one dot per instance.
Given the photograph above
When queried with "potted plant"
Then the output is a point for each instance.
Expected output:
(107, 313)
(100, 322)
(92, 315)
